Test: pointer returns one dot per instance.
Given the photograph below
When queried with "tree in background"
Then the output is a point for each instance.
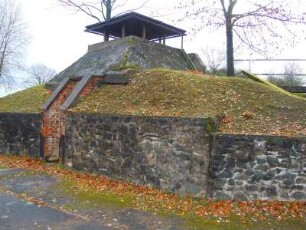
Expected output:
(257, 25)
(100, 10)
(13, 38)
(39, 74)
(214, 60)
(291, 76)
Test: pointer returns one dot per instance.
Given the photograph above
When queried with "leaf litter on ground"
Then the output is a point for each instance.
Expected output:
(151, 199)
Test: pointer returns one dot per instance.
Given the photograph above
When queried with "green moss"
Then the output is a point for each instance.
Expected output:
(303, 95)
(19, 174)
(124, 63)
(132, 41)
(235, 223)
(91, 198)
(26, 101)
(168, 93)
(123, 67)
(268, 83)
(210, 125)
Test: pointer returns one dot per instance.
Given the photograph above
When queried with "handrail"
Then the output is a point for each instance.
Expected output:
(188, 59)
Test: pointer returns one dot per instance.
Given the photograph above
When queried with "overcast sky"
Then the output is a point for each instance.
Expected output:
(58, 38)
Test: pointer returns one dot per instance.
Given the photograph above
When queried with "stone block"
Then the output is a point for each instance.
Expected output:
(272, 161)
(219, 183)
(300, 180)
(226, 173)
(271, 191)
(298, 195)
(240, 196)
(297, 187)
(251, 188)
(261, 160)
(231, 182)
(222, 196)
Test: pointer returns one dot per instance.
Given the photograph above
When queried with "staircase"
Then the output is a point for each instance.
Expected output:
(55, 109)
(63, 97)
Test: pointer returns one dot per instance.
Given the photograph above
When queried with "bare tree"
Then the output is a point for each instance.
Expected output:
(39, 74)
(13, 38)
(291, 76)
(100, 10)
(257, 25)
(214, 59)
(291, 71)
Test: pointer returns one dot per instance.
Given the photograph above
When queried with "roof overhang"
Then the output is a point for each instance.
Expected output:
(133, 24)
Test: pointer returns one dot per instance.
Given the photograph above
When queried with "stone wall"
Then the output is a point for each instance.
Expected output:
(258, 167)
(168, 153)
(174, 154)
(19, 134)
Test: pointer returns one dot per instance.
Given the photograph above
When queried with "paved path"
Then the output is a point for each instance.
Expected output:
(20, 213)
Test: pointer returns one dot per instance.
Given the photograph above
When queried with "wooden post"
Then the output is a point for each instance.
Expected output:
(144, 32)
(164, 40)
(182, 42)
(106, 37)
(160, 40)
(123, 31)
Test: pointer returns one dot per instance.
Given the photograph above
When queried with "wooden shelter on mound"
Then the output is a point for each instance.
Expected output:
(134, 46)
(138, 25)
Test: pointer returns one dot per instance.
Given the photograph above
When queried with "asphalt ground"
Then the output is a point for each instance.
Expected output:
(28, 200)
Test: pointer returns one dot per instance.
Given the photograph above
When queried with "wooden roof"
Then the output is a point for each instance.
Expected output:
(133, 24)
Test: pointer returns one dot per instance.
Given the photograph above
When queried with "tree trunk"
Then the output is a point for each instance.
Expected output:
(2, 57)
(230, 48)
(108, 9)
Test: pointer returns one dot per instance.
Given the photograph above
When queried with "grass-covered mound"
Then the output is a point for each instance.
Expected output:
(25, 101)
(247, 106)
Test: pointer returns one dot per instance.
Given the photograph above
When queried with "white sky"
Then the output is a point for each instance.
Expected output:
(58, 38)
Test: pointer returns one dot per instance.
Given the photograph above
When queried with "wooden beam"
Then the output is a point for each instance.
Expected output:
(182, 42)
(123, 31)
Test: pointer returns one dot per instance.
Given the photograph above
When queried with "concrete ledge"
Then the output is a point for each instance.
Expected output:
(118, 77)
(75, 92)
(55, 93)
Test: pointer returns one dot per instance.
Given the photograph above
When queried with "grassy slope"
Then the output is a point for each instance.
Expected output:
(249, 107)
(25, 101)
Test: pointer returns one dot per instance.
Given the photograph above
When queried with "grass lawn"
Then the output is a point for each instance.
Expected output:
(25, 101)
(246, 106)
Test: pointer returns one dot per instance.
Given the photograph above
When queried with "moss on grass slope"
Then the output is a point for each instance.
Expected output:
(25, 101)
(247, 106)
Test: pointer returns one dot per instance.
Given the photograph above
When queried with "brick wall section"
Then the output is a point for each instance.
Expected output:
(90, 86)
(51, 122)
(54, 119)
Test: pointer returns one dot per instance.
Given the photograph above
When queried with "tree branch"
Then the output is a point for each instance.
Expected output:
(82, 7)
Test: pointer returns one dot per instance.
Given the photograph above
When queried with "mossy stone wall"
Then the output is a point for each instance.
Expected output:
(20, 134)
(169, 153)
(258, 167)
